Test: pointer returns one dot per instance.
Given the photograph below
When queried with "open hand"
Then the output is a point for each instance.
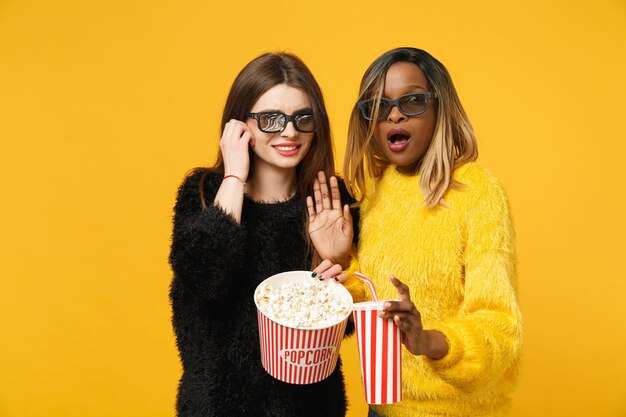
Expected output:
(330, 225)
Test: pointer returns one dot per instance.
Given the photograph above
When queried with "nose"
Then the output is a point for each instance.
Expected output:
(395, 115)
(289, 131)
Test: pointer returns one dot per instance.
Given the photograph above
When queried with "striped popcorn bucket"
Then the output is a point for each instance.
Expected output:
(380, 354)
(299, 355)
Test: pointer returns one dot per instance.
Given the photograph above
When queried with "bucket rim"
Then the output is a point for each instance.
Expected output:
(304, 276)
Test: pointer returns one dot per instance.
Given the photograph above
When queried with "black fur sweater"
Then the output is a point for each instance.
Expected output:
(217, 265)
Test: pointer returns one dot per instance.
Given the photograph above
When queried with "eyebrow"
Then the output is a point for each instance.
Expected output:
(409, 87)
(416, 86)
(299, 111)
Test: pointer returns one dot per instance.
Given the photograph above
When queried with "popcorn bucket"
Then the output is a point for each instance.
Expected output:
(380, 354)
(300, 355)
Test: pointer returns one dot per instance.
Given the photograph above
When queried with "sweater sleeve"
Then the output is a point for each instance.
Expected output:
(208, 245)
(346, 198)
(485, 337)
(354, 285)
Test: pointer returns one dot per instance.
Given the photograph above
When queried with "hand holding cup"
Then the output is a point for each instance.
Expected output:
(403, 312)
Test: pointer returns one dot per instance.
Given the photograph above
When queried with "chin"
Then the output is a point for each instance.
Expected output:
(287, 165)
(401, 162)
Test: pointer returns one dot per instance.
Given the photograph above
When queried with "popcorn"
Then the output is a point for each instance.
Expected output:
(301, 304)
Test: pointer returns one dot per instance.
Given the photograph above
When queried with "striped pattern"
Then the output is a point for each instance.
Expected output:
(369, 283)
(380, 354)
(299, 356)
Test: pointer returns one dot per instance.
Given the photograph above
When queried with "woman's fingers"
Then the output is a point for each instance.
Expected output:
(403, 289)
(326, 202)
(323, 266)
(251, 141)
(328, 270)
(310, 208)
(341, 278)
(230, 128)
(399, 306)
(331, 273)
(410, 318)
(347, 225)
(246, 136)
(334, 191)
(236, 135)
(234, 147)
(325, 198)
(317, 194)
(404, 309)
(322, 270)
(404, 325)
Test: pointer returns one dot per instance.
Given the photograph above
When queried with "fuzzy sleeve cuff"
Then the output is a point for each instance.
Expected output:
(455, 348)
(354, 285)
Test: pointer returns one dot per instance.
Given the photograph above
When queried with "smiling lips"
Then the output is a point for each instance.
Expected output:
(287, 148)
(398, 139)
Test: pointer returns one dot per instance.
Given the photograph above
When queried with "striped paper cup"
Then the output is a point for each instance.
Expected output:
(380, 354)
(299, 355)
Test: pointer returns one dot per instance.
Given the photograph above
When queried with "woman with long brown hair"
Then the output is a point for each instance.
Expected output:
(236, 224)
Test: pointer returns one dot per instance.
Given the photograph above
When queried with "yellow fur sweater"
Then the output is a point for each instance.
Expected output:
(460, 264)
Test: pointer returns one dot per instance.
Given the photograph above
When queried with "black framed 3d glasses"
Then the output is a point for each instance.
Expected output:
(412, 104)
(274, 122)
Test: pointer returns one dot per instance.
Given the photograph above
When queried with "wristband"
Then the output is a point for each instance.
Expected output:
(234, 176)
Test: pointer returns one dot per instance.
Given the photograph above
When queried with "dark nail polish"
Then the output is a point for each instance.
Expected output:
(314, 274)
(336, 279)
(321, 278)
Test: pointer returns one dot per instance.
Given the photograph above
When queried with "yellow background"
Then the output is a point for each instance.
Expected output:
(104, 105)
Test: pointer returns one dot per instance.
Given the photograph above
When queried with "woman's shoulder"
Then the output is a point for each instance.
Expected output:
(207, 175)
(479, 182)
(196, 179)
(472, 173)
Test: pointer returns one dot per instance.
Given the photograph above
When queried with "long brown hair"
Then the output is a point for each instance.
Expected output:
(452, 145)
(257, 77)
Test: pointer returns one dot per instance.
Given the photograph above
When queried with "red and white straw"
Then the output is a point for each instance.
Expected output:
(369, 283)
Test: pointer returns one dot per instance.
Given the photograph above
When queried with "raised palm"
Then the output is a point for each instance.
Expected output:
(330, 224)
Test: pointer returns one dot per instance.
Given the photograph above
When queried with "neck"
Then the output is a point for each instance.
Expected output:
(409, 170)
(271, 183)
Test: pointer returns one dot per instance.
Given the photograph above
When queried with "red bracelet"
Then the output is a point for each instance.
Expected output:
(234, 176)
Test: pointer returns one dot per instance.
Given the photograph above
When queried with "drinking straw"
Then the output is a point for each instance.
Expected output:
(369, 283)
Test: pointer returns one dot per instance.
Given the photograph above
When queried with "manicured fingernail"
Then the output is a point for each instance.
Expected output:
(321, 278)
(336, 279)
(314, 274)
(380, 313)
(386, 304)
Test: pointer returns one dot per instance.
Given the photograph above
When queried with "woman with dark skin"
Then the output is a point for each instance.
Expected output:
(441, 225)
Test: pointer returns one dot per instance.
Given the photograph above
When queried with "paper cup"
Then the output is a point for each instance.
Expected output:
(380, 354)
(299, 355)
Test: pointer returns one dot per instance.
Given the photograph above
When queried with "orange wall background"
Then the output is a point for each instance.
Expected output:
(104, 105)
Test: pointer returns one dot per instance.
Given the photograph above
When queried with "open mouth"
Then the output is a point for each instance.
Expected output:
(398, 135)
(398, 140)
